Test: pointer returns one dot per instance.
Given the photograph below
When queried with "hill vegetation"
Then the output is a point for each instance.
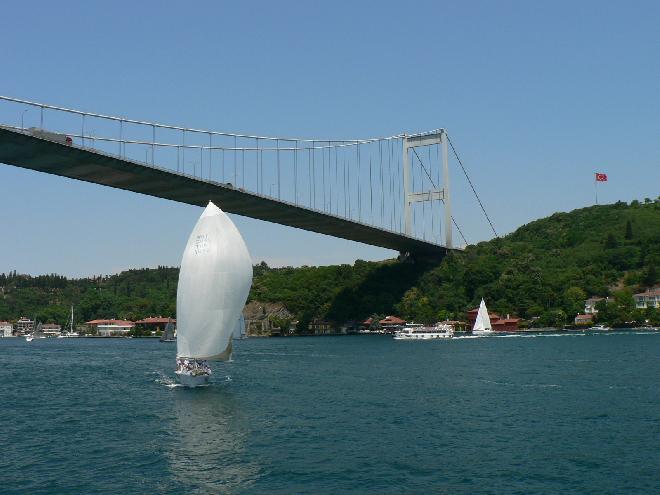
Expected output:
(544, 270)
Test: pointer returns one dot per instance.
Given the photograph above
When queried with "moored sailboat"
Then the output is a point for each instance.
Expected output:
(482, 324)
(168, 333)
(71, 333)
(214, 282)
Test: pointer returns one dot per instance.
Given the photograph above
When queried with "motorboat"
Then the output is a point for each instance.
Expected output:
(413, 331)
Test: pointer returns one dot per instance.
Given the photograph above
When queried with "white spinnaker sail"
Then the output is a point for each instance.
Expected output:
(214, 282)
(482, 323)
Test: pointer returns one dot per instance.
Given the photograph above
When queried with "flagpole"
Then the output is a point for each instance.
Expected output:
(596, 186)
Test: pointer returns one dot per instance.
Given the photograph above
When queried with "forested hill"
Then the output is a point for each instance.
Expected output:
(546, 268)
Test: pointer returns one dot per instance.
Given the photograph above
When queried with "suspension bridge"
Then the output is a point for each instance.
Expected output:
(391, 192)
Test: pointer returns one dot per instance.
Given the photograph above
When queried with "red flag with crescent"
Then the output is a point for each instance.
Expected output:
(601, 177)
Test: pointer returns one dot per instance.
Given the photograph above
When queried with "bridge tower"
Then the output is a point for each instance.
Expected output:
(410, 197)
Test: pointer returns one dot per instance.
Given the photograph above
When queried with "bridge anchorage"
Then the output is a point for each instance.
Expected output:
(391, 192)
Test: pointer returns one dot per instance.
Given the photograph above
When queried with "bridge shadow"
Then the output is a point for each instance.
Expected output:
(379, 291)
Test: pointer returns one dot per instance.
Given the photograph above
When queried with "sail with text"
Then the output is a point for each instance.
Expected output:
(214, 282)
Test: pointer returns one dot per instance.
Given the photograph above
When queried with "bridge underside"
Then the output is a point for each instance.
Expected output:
(42, 155)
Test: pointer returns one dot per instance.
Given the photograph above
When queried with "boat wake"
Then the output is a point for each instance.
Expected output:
(163, 379)
(169, 382)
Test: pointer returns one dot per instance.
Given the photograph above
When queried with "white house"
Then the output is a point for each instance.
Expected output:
(590, 304)
(24, 325)
(106, 328)
(648, 299)
(51, 329)
(6, 329)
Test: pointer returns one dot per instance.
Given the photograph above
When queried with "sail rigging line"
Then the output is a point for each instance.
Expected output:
(471, 185)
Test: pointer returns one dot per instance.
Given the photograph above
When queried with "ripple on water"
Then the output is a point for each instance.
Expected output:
(345, 415)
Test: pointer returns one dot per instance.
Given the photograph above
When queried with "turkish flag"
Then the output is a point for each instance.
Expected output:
(601, 177)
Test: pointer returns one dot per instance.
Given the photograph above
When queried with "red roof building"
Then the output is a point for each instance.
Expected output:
(505, 324)
(392, 321)
(583, 319)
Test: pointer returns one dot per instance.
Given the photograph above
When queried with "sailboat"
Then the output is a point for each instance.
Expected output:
(70, 333)
(168, 333)
(482, 323)
(37, 333)
(239, 331)
(214, 282)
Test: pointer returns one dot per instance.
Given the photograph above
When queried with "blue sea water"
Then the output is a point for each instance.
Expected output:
(528, 414)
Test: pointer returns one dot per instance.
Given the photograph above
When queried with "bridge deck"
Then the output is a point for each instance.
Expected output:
(27, 151)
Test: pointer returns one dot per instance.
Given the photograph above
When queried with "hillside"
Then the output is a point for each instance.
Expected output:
(545, 268)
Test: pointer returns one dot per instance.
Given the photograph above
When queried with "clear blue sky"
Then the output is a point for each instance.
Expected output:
(535, 95)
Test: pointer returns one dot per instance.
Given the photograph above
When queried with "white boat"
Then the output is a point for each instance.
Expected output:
(414, 331)
(482, 323)
(214, 282)
(29, 338)
(600, 328)
(70, 333)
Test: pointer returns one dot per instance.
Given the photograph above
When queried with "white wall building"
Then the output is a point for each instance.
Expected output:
(24, 325)
(6, 329)
(51, 329)
(648, 299)
(107, 328)
(590, 305)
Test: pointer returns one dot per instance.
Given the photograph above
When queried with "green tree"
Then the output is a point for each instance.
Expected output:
(610, 241)
(651, 275)
(574, 298)
(629, 231)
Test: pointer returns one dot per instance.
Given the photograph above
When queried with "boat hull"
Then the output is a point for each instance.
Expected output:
(420, 336)
(191, 381)
(482, 333)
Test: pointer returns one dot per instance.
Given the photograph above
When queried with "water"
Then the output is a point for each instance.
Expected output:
(564, 414)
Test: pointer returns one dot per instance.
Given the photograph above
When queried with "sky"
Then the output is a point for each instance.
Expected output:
(536, 96)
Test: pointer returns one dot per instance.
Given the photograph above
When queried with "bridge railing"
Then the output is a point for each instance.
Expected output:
(357, 179)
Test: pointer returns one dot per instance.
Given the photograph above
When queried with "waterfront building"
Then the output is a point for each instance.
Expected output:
(507, 324)
(648, 299)
(51, 329)
(320, 327)
(154, 323)
(107, 328)
(585, 319)
(391, 324)
(6, 329)
(24, 326)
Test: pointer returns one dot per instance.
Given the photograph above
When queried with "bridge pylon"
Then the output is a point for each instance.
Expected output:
(410, 196)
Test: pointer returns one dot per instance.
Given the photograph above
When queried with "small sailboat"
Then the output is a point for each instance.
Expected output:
(214, 282)
(239, 331)
(71, 333)
(168, 333)
(38, 332)
(482, 323)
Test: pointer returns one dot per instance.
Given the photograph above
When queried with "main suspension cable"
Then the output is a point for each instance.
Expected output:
(471, 185)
